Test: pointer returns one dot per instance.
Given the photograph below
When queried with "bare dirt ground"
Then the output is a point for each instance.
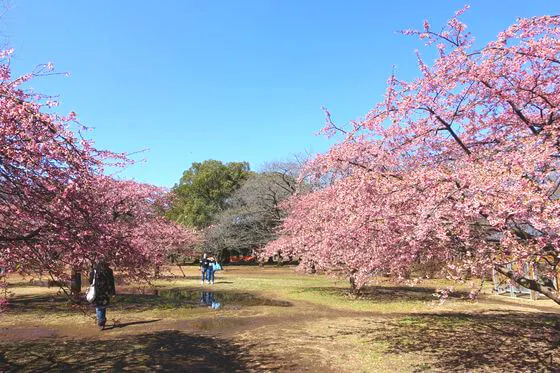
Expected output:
(273, 320)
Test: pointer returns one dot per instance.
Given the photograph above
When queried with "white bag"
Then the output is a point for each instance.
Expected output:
(90, 295)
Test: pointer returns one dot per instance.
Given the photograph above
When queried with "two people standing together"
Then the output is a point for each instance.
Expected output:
(208, 265)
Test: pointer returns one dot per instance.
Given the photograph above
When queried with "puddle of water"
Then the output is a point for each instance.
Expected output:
(191, 298)
(216, 300)
(208, 298)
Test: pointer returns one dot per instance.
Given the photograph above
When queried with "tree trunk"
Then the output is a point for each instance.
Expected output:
(353, 288)
(530, 284)
(224, 256)
(181, 268)
(76, 284)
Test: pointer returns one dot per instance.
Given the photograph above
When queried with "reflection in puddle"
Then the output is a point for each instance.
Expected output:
(207, 298)
(170, 298)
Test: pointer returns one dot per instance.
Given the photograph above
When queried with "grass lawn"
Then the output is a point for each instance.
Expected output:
(273, 319)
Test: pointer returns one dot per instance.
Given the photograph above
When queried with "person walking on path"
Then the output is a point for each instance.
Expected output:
(104, 288)
(210, 272)
(204, 265)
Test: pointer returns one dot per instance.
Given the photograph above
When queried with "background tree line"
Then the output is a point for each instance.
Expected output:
(238, 210)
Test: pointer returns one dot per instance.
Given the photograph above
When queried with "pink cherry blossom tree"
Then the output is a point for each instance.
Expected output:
(459, 166)
(57, 208)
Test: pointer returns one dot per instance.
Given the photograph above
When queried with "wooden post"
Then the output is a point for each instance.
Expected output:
(533, 274)
(512, 286)
(495, 281)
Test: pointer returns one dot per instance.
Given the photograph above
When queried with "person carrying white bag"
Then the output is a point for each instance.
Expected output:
(102, 287)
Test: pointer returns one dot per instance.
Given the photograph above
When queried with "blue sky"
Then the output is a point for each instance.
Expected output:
(228, 80)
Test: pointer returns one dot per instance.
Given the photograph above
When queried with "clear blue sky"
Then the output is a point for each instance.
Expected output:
(228, 80)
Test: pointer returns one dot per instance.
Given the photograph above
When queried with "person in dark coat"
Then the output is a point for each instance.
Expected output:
(204, 265)
(104, 289)
(210, 271)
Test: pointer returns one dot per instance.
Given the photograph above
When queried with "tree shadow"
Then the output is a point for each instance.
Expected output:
(172, 277)
(29, 284)
(505, 342)
(44, 304)
(118, 325)
(159, 299)
(501, 300)
(165, 351)
(390, 294)
(179, 277)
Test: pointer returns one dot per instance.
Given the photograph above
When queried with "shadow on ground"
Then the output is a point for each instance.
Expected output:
(389, 294)
(505, 300)
(165, 351)
(158, 300)
(171, 277)
(118, 325)
(504, 342)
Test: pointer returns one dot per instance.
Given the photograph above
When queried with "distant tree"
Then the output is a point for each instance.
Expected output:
(204, 190)
(253, 212)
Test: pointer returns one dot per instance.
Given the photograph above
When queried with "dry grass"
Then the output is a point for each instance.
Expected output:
(274, 319)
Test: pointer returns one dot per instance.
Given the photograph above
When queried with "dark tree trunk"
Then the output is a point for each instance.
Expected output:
(353, 288)
(224, 256)
(181, 268)
(75, 284)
